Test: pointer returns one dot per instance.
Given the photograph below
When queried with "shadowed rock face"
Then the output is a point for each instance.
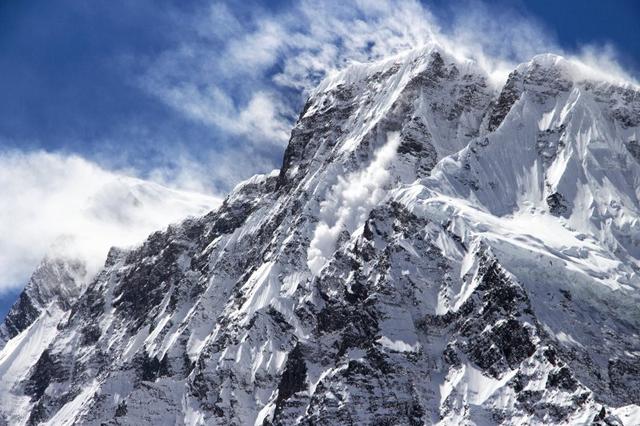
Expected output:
(432, 307)
(557, 204)
(45, 371)
(21, 316)
(56, 280)
(508, 96)
(634, 149)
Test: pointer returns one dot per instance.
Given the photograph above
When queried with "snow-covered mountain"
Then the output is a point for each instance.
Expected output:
(434, 250)
(121, 211)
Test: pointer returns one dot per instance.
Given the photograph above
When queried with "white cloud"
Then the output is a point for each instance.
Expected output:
(262, 116)
(226, 168)
(262, 120)
(65, 201)
(256, 50)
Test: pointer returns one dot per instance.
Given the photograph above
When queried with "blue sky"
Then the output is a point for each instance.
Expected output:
(198, 94)
(72, 70)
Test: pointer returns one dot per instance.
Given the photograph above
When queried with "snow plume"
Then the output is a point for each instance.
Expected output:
(349, 203)
(272, 60)
(68, 205)
(601, 63)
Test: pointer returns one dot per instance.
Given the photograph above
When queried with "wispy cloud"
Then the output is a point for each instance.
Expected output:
(51, 200)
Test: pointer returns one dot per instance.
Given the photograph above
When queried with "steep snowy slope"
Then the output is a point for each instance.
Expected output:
(433, 251)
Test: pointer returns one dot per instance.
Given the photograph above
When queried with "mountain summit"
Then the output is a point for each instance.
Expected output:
(433, 251)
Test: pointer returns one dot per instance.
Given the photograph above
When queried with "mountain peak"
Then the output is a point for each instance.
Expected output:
(409, 61)
(55, 284)
(575, 70)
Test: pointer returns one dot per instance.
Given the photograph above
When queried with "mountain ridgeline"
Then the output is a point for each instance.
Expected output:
(434, 250)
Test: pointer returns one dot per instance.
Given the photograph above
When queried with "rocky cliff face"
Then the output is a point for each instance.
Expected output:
(56, 281)
(433, 251)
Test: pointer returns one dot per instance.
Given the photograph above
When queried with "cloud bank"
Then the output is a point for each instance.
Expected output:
(72, 207)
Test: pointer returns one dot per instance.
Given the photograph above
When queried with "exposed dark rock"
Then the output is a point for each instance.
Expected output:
(38, 414)
(46, 370)
(121, 411)
(21, 315)
(292, 380)
(508, 96)
(90, 335)
(624, 375)
(151, 368)
(634, 149)
(562, 379)
(557, 204)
